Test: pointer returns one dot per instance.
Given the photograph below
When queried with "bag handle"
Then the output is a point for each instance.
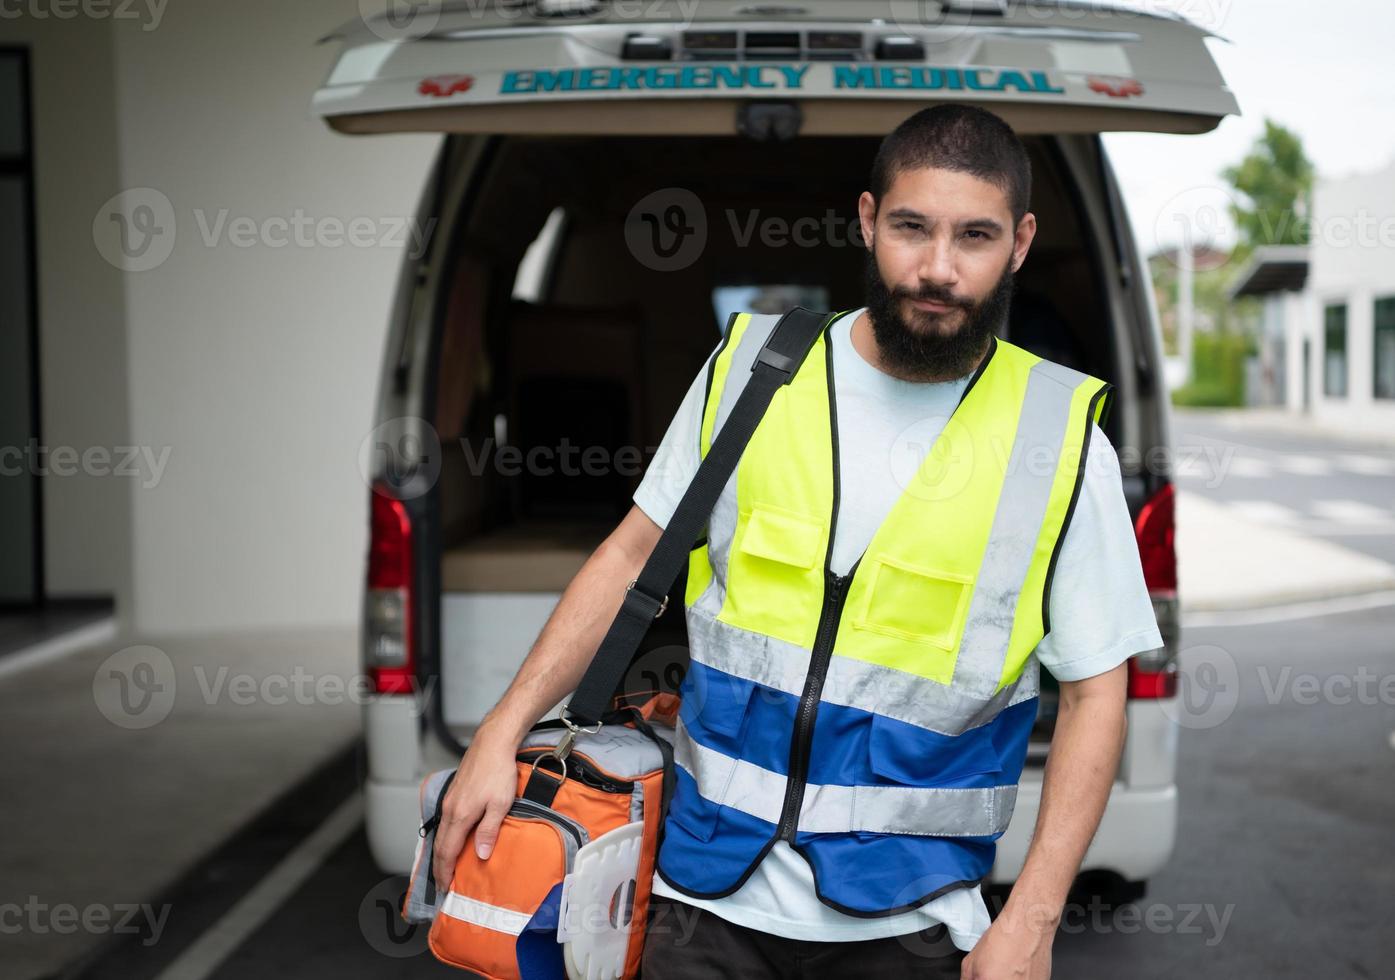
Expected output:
(646, 597)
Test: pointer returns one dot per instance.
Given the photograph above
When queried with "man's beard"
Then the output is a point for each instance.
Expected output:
(923, 353)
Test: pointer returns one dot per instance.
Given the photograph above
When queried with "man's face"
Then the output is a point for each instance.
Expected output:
(938, 275)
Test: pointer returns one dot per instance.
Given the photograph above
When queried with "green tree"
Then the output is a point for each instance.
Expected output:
(1275, 180)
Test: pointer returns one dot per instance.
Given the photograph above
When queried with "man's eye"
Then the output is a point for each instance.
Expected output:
(975, 231)
(907, 224)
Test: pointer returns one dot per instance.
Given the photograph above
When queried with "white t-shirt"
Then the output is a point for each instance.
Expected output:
(1100, 609)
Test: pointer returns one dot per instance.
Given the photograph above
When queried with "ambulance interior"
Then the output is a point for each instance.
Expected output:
(555, 334)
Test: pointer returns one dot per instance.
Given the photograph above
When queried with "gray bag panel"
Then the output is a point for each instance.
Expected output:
(626, 752)
(416, 908)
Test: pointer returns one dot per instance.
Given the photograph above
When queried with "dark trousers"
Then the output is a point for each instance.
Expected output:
(684, 942)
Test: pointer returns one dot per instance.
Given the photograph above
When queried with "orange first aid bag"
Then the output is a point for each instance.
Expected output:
(565, 892)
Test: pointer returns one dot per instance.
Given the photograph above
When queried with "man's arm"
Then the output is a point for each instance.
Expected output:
(486, 782)
(1080, 769)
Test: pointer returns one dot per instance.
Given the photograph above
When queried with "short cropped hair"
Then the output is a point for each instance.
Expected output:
(955, 136)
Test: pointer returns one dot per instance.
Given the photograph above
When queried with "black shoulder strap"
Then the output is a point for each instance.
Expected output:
(784, 350)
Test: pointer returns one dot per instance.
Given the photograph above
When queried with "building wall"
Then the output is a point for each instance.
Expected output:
(1295, 317)
(1353, 260)
(80, 300)
(254, 362)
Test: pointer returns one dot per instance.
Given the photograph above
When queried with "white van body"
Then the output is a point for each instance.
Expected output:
(538, 312)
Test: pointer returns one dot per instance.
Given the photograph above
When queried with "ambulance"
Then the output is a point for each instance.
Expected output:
(613, 180)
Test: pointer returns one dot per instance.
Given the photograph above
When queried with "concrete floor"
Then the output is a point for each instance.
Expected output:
(127, 762)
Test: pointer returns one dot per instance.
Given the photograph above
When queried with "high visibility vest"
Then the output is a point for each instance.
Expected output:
(877, 720)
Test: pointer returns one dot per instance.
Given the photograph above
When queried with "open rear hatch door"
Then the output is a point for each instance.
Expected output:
(851, 67)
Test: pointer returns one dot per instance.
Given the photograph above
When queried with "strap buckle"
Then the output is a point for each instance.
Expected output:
(564, 746)
(561, 759)
(662, 605)
(773, 358)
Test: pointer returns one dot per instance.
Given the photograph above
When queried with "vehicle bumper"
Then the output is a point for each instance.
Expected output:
(1136, 835)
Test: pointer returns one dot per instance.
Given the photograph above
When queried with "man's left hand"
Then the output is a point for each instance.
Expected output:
(1010, 950)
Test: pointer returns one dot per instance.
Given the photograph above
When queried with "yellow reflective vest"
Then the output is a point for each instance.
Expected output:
(878, 720)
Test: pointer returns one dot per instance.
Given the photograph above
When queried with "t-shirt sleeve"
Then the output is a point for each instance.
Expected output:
(1101, 613)
(678, 456)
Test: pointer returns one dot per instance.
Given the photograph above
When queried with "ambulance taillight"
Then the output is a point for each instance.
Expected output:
(389, 636)
(1153, 674)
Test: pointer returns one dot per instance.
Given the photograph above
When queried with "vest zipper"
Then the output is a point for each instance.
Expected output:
(822, 652)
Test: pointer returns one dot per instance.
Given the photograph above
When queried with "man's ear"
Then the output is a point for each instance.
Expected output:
(1022, 239)
(867, 217)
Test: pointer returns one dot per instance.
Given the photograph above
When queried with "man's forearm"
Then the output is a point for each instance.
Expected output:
(567, 643)
(1080, 769)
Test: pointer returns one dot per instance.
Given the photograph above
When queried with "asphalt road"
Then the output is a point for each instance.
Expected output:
(1283, 867)
(1342, 491)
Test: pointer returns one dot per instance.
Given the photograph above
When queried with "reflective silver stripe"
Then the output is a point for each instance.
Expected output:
(478, 913)
(829, 808)
(721, 524)
(739, 370)
(907, 697)
(1017, 522)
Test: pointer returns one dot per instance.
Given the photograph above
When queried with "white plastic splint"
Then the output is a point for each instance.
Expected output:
(593, 925)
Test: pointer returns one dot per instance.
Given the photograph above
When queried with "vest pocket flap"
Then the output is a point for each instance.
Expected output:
(783, 536)
(696, 815)
(717, 702)
(918, 604)
(908, 754)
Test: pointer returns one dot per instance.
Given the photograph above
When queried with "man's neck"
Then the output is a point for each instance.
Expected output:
(864, 341)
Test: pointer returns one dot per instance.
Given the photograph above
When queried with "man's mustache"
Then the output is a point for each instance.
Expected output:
(932, 297)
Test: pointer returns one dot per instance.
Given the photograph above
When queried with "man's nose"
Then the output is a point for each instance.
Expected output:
(937, 262)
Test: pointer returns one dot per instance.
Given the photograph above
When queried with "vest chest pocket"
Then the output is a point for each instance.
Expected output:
(782, 536)
(918, 604)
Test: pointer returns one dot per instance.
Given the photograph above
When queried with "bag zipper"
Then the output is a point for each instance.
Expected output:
(526, 809)
(435, 817)
(580, 768)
